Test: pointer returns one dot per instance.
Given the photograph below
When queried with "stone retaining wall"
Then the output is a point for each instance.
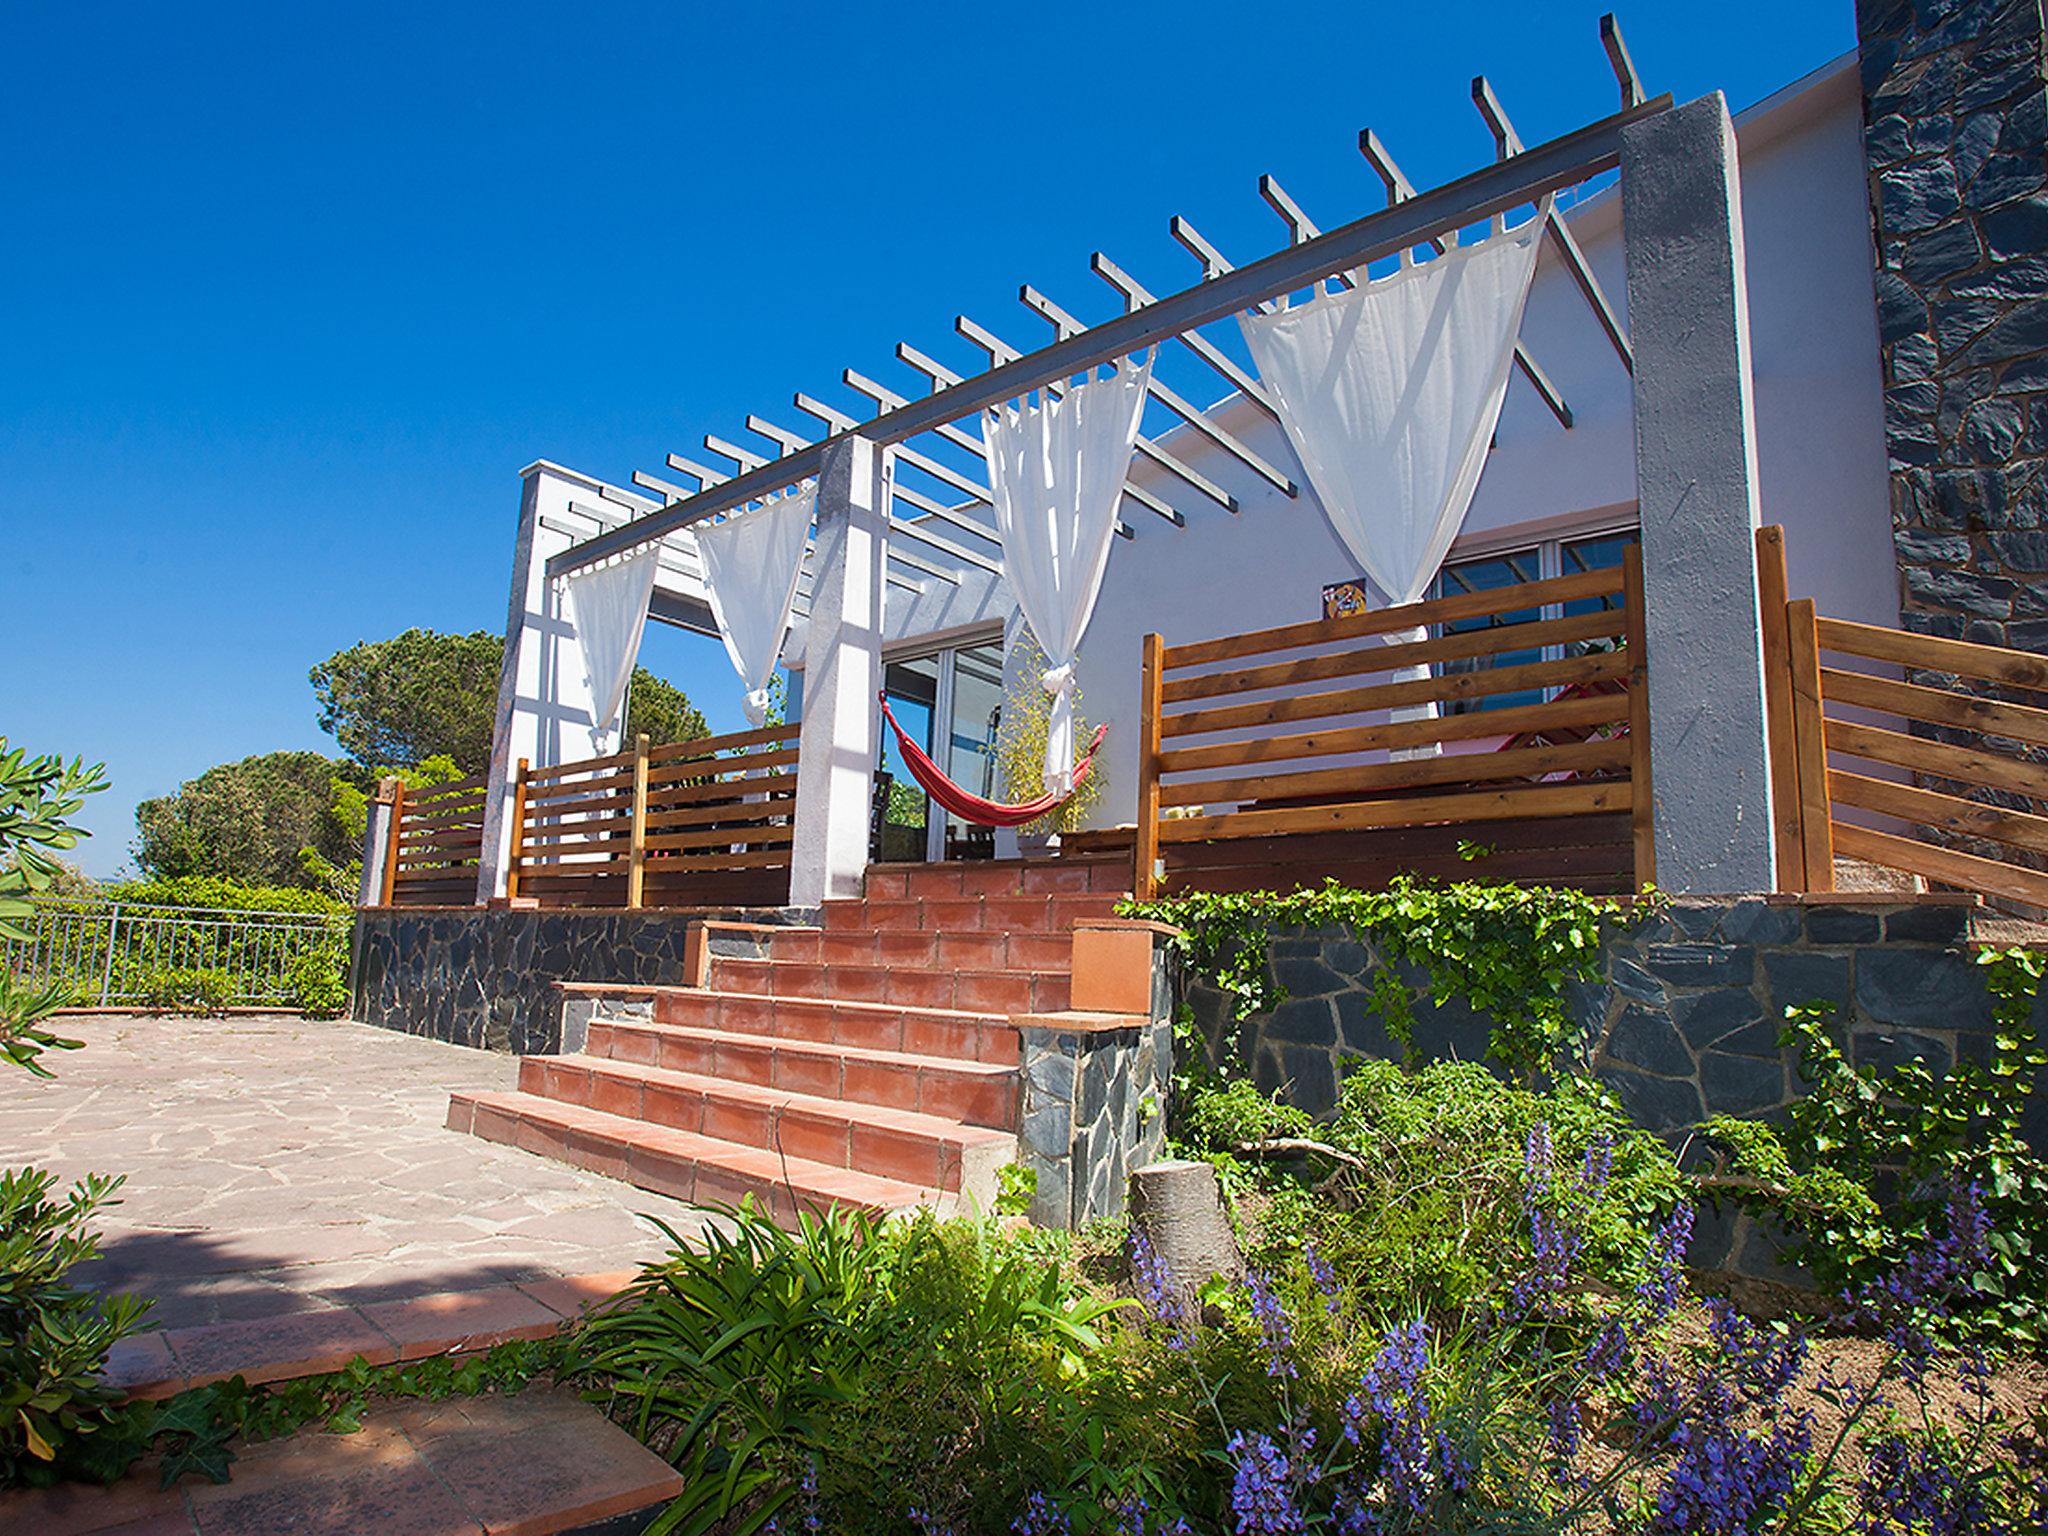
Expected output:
(485, 977)
(1684, 1015)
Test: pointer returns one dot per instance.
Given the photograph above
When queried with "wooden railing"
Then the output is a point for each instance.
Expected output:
(1554, 786)
(695, 823)
(437, 837)
(1898, 754)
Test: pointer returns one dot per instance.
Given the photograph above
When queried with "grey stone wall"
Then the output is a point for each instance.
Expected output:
(1683, 1017)
(484, 977)
(1956, 138)
(1094, 1104)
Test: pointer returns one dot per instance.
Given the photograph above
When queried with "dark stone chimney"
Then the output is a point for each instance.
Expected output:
(1955, 134)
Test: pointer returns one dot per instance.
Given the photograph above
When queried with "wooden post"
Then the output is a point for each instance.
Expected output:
(1145, 840)
(636, 857)
(391, 847)
(518, 830)
(1816, 829)
(1772, 595)
(1642, 801)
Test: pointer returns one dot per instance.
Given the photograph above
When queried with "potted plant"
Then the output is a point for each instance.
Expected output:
(1020, 751)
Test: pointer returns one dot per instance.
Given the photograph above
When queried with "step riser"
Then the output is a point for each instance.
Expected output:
(697, 1172)
(1002, 992)
(816, 1022)
(987, 1099)
(836, 1140)
(966, 914)
(915, 947)
(1110, 878)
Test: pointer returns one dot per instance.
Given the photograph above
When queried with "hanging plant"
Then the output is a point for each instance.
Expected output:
(1020, 744)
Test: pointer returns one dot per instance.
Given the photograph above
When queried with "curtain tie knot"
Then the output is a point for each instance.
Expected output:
(1058, 680)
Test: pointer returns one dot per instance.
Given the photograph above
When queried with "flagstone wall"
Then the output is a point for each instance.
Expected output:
(1956, 139)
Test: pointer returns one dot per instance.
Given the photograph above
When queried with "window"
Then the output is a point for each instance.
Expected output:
(1488, 573)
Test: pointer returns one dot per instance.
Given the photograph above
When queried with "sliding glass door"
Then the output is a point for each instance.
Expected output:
(949, 703)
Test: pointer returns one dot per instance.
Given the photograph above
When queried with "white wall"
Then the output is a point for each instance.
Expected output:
(1819, 411)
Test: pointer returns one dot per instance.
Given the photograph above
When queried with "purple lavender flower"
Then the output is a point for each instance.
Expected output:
(1325, 1278)
(1263, 1493)
(1911, 1487)
(1728, 1480)
(1555, 1240)
(1157, 1290)
(1665, 1284)
(1040, 1517)
(808, 1489)
(1416, 1457)
(1903, 1301)
(1275, 1328)
(929, 1524)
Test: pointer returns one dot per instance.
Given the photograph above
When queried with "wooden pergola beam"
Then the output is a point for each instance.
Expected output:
(1504, 184)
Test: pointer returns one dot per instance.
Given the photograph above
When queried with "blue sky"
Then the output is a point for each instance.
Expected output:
(294, 291)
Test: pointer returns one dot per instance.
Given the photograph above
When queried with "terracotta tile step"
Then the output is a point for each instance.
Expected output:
(683, 1165)
(965, 914)
(1006, 877)
(966, 1034)
(889, 947)
(533, 1463)
(896, 1143)
(323, 1339)
(999, 992)
(972, 1092)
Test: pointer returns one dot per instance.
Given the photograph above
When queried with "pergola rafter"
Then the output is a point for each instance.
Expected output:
(1519, 176)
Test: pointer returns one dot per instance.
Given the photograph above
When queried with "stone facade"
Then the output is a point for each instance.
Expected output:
(1684, 1015)
(1094, 1104)
(1956, 138)
(485, 977)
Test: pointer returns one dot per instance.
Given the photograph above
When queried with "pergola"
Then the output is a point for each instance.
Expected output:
(903, 506)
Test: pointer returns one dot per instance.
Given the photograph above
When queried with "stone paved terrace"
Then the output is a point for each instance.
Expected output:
(279, 1165)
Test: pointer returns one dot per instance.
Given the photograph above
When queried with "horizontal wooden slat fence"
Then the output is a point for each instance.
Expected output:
(437, 838)
(1910, 752)
(1254, 772)
(695, 823)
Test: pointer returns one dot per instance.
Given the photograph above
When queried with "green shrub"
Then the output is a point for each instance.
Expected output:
(185, 989)
(889, 1364)
(38, 798)
(1421, 1186)
(317, 982)
(1867, 1161)
(56, 1418)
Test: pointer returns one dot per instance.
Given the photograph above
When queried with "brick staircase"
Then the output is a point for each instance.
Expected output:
(871, 1060)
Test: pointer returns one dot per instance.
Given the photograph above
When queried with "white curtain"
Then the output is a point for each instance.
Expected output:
(608, 610)
(1390, 392)
(751, 566)
(1056, 468)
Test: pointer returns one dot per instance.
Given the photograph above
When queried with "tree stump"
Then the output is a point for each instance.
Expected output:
(1178, 1205)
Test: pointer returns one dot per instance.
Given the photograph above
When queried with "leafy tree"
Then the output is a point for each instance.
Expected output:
(348, 814)
(660, 711)
(417, 695)
(421, 694)
(38, 798)
(246, 821)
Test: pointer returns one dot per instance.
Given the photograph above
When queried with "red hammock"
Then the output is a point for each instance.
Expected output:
(972, 808)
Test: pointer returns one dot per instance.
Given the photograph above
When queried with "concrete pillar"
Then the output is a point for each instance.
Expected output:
(1696, 482)
(837, 742)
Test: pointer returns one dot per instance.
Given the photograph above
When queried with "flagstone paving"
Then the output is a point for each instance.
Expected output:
(278, 1165)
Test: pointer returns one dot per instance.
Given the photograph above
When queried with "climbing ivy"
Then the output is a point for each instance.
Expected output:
(1506, 950)
(1867, 1160)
